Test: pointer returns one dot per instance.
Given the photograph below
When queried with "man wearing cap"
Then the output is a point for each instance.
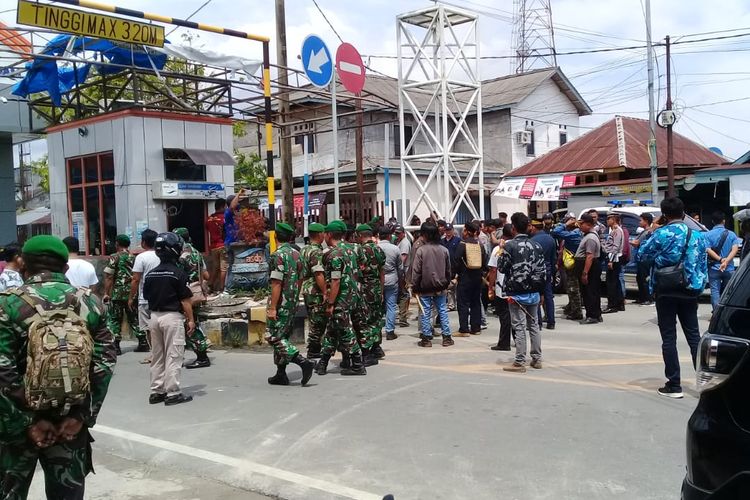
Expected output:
(373, 279)
(61, 442)
(393, 272)
(118, 274)
(568, 232)
(191, 261)
(360, 310)
(405, 246)
(469, 286)
(340, 277)
(451, 240)
(314, 288)
(588, 270)
(614, 246)
(286, 276)
(549, 221)
(549, 248)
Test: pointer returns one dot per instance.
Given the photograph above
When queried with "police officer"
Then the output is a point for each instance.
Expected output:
(118, 276)
(60, 442)
(169, 300)
(314, 289)
(286, 274)
(372, 294)
(191, 261)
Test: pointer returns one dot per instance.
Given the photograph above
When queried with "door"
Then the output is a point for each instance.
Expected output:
(190, 214)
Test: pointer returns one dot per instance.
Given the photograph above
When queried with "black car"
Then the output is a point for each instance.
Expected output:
(718, 433)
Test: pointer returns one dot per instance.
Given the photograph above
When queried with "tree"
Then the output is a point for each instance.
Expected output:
(249, 171)
(40, 168)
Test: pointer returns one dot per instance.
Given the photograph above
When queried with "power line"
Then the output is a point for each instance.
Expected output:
(329, 22)
(190, 16)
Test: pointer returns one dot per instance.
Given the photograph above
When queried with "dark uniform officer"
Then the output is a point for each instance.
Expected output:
(169, 300)
(60, 443)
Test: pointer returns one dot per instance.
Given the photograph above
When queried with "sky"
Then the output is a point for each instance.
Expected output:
(710, 79)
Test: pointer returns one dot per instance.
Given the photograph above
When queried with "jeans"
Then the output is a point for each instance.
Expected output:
(717, 280)
(668, 309)
(469, 300)
(390, 294)
(523, 318)
(642, 278)
(428, 302)
(549, 301)
(503, 314)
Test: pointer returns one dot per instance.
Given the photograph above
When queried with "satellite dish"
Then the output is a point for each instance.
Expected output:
(716, 150)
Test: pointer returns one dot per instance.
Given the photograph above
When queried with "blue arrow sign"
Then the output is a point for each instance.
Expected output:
(317, 62)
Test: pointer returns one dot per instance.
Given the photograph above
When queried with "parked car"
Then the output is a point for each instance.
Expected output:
(718, 432)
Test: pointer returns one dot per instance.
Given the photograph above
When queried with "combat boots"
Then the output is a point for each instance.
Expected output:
(368, 358)
(313, 351)
(358, 367)
(201, 361)
(142, 345)
(118, 351)
(280, 378)
(306, 365)
(322, 367)
(378, 351)
(346, 361)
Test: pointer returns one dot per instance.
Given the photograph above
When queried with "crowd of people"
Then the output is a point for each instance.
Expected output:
(60, 330)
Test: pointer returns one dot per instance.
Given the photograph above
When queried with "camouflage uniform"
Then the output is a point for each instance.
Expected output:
(120, 267)
(286, 266)
(191, 261)
(359, 313)
(372, 292)
(65, 464)
(338, 265)
(312, 259)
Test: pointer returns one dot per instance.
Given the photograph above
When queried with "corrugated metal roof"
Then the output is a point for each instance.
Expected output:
(598, 150)
(34, 216)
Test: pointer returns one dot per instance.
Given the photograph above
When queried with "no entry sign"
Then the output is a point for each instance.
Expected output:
(350, 68)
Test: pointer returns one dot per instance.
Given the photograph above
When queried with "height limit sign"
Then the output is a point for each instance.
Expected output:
(350, 68)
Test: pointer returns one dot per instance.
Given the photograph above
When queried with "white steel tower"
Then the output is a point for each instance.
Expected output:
(439, 86)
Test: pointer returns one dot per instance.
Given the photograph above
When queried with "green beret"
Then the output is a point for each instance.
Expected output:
(364, 227)
(336, 226)
(182, 232)
(375, 220)
(123, 240)
(46, 244)
(283, 227)
(316, 227)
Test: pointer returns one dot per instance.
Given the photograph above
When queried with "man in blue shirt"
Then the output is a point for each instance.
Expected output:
(450, 240)
(666, 248)
(723, 245)
(570, 235)
(231, 230)
(549, 247)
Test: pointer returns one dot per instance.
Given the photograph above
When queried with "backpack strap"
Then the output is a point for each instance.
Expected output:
(26, 298)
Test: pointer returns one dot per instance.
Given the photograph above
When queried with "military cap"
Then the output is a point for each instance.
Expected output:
(283, 227)
(374, 220)
(182, 232)
(336, 226)
(123, 240)
(364, 227)
(398, 229)
(537, 223)
(316, 227)
(46, 244)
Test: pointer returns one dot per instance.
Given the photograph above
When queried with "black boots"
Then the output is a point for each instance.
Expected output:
(306, 365)
(142, 345)
(313, 351)
(201, 361)
(358, 367)
(118, 351)
(280, 378)
(346, 361)
(322, 366)
(368, 358)
(378, 351)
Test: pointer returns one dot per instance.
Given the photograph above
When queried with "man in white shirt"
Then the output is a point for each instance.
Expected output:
(80, 274)
(144, 263)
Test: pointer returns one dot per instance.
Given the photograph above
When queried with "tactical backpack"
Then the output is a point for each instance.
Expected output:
(58, 359)
(473, 256)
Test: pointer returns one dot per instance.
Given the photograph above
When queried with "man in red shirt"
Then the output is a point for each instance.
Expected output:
(215, 227)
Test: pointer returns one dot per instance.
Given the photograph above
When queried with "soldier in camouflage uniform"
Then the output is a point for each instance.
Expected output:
(372, 294)
(314, 289)
(359, 308)
(286, 274)
(191, 261)
(61, 443)
(118, 275)
(341, 285)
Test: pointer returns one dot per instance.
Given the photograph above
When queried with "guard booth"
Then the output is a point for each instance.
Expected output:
(129, 170)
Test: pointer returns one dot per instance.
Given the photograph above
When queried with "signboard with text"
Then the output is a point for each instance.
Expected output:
(189, 190)
(85, 23)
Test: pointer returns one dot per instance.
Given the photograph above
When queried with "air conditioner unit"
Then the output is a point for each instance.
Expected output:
(523, 137)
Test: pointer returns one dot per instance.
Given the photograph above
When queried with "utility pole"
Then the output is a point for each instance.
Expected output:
(358, 141)
(285, 143)
(21, 175)
(651, 110)
(670, 150)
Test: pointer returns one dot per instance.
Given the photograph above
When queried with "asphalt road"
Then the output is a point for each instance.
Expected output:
(439, 423)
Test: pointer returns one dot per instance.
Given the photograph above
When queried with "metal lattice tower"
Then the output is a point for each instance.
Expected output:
(439, 86)
(533, 35)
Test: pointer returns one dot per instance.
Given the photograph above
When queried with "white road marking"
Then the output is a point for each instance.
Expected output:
(238, 463)
(350, 67)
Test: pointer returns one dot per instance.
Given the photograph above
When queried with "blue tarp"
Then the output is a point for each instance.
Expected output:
(44, 75)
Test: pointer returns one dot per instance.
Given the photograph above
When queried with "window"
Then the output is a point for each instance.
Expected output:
(305, 130)
(179, 167)
(563, 134)
(530, 145)
(91, 198)
(408, 134)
